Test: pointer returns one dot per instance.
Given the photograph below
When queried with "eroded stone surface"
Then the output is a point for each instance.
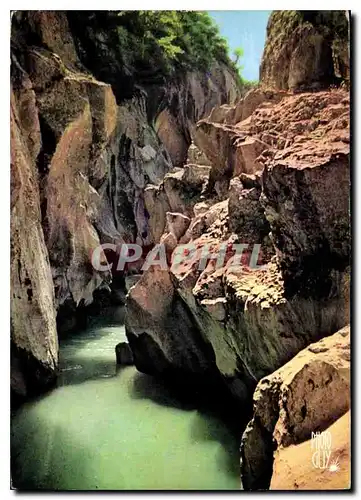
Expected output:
(85, 130)
(297, 466)
(124, 354)
(305, 395)
(34, 343)
(305, 49)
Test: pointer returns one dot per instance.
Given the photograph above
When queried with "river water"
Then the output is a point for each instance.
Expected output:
(109, 428)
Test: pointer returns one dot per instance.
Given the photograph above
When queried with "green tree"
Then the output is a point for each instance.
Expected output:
(238, 53)
(161, 43)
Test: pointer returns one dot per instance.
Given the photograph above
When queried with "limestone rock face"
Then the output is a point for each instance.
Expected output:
(162, 332)
(135, 158)
(311, 227)
(232, 307)
(189, 101)
(254, 314)
(305, 49)
(178, 193)
(196, 156)
(85, 129)
(34, 343)
(277, 186)
(227, 143)
(77, 116)
(305, 395)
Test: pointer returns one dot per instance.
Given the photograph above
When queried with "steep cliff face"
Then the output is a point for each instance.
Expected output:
(34, 344)
(85, 127)
(268, 165)
(306, 49)
(293, 469)
(252, 320)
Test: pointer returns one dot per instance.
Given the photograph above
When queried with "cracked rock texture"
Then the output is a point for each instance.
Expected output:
(255, 320)
(306, 395)
(306, 49)
(102, 155)
(86, 131)
(34, 343)
(277, 182)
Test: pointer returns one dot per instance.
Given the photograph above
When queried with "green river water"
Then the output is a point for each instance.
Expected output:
(104, 428)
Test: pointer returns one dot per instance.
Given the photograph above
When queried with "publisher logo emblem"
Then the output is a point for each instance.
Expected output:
(321, 445)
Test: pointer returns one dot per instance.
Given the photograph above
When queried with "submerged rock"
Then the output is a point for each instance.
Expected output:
(124, 354)
(276, 159)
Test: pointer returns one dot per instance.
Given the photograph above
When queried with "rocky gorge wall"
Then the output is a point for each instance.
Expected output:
(101, 154)
(272, 170)
(87, 137)
(253, 321)
(306, 49)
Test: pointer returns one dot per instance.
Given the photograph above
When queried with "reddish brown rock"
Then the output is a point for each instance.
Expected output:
(34, 343)
(255, 320)
(124, 354)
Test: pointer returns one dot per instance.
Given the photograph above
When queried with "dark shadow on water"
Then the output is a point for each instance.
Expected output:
(76, 365)
(30, 474)
(84, 370)
(155, 389)
(210, 422)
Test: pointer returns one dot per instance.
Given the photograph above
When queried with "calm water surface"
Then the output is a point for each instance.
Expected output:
(108, 428)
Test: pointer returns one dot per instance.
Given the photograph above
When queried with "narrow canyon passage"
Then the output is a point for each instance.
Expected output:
(150, 175)
(108, 428)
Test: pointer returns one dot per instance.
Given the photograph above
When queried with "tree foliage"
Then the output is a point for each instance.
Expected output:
(125, 48)
(238, 53)
(171, 40)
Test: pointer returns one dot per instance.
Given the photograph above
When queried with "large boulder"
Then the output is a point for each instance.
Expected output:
(306, 395)
(76, 116)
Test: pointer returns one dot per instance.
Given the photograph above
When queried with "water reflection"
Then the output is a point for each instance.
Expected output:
(103, 428)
